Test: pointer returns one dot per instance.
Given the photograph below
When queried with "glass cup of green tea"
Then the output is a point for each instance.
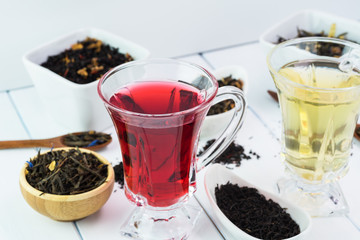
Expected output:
(158, 106)
(318, 86)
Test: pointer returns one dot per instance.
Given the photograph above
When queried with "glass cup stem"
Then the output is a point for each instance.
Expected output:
(145, 222)
(321, 200)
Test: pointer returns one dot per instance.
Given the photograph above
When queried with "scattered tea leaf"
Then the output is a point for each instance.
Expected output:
(357, 132)
(273, 95)
(234, 154)
(119, 174)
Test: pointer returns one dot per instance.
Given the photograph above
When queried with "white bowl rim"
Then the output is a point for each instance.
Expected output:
(62, 37)
(237, 71)
(263, 37)
(229, 69)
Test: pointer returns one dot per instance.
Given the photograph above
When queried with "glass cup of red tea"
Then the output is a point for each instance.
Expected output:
(157, 107)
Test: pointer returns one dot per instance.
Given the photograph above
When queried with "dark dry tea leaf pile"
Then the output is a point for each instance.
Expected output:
(328, 49)
(233, 154)
(253, 213)
(66, 172)
(86, 139)
(226, 105)
(119, 174)
(86, 61)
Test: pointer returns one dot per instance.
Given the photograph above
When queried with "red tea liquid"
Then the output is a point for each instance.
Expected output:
(158, 152)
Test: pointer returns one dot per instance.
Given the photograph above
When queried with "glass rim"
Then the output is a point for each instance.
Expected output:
(303, 40)
(120, 67)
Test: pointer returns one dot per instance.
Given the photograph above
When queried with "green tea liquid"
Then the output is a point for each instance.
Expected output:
(319, 116)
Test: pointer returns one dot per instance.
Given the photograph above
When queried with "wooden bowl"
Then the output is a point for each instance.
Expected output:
(68, 207)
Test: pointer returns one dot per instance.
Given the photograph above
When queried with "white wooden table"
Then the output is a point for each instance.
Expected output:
(23, 117)
(210, 33)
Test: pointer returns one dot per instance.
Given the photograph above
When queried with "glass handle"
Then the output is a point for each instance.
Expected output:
(220, 144)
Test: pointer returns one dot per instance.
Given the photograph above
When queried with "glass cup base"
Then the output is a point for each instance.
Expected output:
(318, 200)
(163, 224)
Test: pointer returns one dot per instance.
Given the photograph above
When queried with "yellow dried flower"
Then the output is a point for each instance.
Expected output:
(332, 30)
(82, 72)
(66, 60)
(52, 165)
(77, 46)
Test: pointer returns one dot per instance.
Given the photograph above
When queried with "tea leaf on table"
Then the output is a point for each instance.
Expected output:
(357, 132)
(273, 95)
(119, 174)
(233, 154)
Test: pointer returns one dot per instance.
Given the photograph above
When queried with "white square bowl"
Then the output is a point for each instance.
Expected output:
(75, 106)
(312, 21)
